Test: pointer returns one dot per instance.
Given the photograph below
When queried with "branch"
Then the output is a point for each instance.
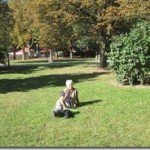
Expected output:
(84, 12)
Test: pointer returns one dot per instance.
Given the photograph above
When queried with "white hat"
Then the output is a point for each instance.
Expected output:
(68, 82)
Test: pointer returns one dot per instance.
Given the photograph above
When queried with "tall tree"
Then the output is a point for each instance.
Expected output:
(5, 25)
(105, 18)
(101, 19)
(25, 28)
(54, 30)
(60, 24)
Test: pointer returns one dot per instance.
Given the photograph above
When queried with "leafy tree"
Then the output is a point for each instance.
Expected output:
(55, 32)
(25, 29)
(104, 18)
(61, 24)
(130, 55)
(5, 26)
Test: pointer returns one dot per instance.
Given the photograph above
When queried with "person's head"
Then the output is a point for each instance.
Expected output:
(69, 84)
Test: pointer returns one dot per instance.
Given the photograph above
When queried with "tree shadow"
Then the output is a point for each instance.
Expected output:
(31, 61)
(89, 102)
(19, 69)
(29, 68)
(33, 83)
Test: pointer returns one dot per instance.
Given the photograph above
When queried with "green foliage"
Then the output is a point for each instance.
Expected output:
(58, 25)
(84, 42)
(5, 27)
(25, 30)
(130, 55)
(2, 57)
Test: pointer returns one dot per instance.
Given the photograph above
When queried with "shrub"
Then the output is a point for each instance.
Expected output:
(130, 55)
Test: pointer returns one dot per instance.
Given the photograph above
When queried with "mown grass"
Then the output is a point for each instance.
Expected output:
(110, 115)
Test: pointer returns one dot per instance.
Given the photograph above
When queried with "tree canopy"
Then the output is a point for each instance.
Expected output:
(5, 27)
(61, 24)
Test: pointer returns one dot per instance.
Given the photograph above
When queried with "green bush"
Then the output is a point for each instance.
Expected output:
(130, 55)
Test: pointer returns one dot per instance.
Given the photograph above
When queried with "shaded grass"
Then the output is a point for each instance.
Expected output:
(32, 83)
(29, 66)
(110, 115)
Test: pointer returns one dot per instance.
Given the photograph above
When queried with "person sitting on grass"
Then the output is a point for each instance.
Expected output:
(68, 99)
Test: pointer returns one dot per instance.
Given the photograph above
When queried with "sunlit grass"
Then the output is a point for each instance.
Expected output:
(111, 115)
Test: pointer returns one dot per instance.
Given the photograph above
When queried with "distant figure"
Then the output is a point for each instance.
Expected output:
(68, 99)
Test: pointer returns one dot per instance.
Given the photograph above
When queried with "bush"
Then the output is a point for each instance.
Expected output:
(130, 55)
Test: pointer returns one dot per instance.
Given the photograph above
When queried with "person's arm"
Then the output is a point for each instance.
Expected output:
(62, 100)
(77, 99)
(77, 103)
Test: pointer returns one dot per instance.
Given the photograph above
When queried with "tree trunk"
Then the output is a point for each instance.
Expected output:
(8, 60)
(96, 56)
(14, 55)
(71, 54)
(56, 55)
(30, 55)
(50, 60)
(37, 50)
(103, 57)
(23, 54)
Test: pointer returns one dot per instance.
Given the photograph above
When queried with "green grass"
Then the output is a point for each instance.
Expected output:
(111, 115)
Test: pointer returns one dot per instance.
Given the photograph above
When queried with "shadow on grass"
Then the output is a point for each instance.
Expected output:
(55, 60)
(89, 102)
(31, 61)
(33, 83)
(29, 68)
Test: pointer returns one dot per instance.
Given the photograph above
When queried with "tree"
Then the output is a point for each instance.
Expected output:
(61, 24)
(25, 29)
(55, 32)
(104, 18)
(5, 25)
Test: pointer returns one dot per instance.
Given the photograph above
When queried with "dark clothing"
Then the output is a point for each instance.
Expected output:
(71, 100)
(63, 113)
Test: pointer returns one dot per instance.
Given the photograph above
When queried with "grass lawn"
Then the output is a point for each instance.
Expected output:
(111, 115)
